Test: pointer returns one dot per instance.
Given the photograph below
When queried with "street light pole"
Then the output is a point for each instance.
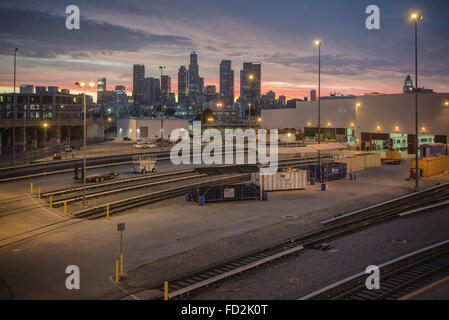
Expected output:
(83, 85)
(318, 43)
(416, 17)
(162, 111)
(14, 113)
(84, 144)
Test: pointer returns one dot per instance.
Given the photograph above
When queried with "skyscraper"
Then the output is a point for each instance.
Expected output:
(138, 83)
(152, 91)
(101, 84)
(313, 95)
(165, 88)
(250, 81)
(182, 84)
(194, 77)
(227, 82)
(408, 85)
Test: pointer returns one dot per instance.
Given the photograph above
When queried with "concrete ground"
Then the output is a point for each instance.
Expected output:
(171, 238)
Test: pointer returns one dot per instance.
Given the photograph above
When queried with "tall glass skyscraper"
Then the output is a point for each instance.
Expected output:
(250, 81)
(227, 82)
(138, 83)
(182, 84)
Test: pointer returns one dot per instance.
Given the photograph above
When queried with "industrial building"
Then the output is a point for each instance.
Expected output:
(372, 122)
(149, 128)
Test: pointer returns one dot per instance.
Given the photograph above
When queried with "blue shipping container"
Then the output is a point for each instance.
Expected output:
(327, 172)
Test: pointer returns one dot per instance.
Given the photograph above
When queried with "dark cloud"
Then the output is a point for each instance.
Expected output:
(42, 35)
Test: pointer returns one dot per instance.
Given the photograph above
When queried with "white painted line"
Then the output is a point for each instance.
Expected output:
(432, 206)
(123, 290)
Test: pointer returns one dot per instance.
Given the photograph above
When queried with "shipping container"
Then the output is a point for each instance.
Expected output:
(361, 162)
(227, 192)
(432, 165)
(431, 149)
(331, 171)
(293, 180)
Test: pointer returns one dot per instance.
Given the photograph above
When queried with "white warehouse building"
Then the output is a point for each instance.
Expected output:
(375, 122)
(149, 128)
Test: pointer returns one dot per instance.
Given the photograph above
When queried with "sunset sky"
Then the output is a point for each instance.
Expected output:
(116, 34)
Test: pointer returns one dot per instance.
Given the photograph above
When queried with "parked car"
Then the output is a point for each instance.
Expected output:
(140, 141)
(150, 145)
(127, 139)
(57, 156)
(140, 146)
(68, 148)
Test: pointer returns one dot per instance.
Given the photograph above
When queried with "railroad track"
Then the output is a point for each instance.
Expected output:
(312, 240)
(398, 278)
(9, 174)
(145, 177)
(110, 191)
(143, 199)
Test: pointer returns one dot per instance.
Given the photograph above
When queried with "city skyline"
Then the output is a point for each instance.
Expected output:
(354, 60)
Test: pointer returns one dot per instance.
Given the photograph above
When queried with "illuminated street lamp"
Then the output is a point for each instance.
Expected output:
(378, 128)
(318, 44)
(83, 86)
(416, 18)
(446, 103)
(259, 119)
(45, 125)
(396, 129)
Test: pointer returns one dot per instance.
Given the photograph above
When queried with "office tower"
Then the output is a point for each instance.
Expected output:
(182, 84)
(53, 89)
(194, 77)
(408, 85)
(227, 82)
(250, 81)
(271, 96)
(101, 85)
(312, 95)
(41, 90)
(165, 88)
(210, 93)
(138, 83)
(282, 100)
(26, 88)
(152, 91)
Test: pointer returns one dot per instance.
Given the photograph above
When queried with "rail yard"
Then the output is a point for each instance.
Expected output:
(204, 232)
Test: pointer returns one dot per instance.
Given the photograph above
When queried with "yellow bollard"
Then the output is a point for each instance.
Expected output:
(121, 263)
(165, 290)
(65, 208)
(51, 201)
(107, 211)
(39, 192)
(116, 271)
(31, 188)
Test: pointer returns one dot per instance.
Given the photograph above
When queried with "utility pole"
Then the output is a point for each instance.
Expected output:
(14, 113)
(162, 106)
(416, 17)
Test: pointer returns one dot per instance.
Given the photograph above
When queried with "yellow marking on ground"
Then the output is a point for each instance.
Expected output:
(430, 286)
